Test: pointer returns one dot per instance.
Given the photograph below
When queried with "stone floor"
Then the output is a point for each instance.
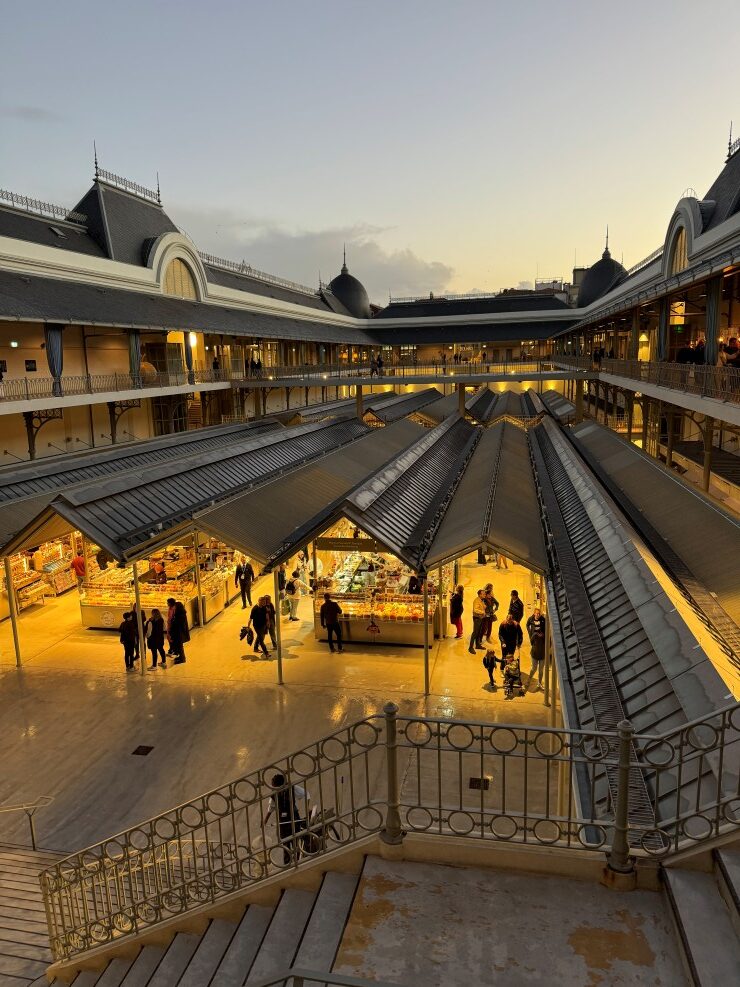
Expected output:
(428, 924)
(71, 717)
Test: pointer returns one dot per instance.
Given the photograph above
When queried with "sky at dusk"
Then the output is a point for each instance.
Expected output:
(452, 145)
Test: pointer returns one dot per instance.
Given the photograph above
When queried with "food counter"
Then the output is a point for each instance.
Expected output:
(103, 606)
(379, 618)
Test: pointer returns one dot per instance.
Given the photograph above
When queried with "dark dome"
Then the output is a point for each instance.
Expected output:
(605, 274)
(351, 293)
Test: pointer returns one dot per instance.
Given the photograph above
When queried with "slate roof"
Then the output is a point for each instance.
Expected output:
(243, 282)
(23, 297)
(724, 193)
(40, 229)
(536, 302)
(492, 332)
(121, 223)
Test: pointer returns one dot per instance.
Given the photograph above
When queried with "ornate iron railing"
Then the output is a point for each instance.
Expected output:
(486, 781)
(41, 208)
(720, 383)
(658, 252)
(31, 387)
(118, 181)
(241, 267)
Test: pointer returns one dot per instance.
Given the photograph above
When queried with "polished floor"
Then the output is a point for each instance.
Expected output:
(71, 717)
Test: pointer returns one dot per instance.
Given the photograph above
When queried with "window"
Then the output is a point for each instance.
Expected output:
(679, 256)
(179, 281)
(60, 233)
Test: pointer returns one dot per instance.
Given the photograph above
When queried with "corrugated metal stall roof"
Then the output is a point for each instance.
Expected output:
(495, 504)
(268, 521)
(705, 537)
(558, 406)
(482, 405)
(127, 511)
(405, 404)
(440, 409)
(27, 488)
(312, 412)
(402, 505)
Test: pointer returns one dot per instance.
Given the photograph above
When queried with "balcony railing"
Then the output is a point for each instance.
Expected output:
(31, 388)
(389, 776)
(719, 383)
(322, 372)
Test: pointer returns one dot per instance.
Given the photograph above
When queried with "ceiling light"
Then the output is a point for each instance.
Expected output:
(193, 339)
(14, 344)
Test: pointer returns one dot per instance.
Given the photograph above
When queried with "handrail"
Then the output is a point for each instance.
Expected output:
(543, 785)
(299, 975)
(30, 808)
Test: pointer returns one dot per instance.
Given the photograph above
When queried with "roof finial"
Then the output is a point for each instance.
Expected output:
(95, 152)
(159, 197)
(344, 263)
(729, 143)
(606, 248)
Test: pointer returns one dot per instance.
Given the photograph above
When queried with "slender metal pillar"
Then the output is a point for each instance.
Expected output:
(315, 570)
(358, 400)
(708, 444)
(278, 628)
(554, 695)
(392, 832)
(548, 664)
(630, 415)
(619, 858)
(201, 608)
(139, 621)
(13, 608)
(442, 623)
(461, 399)
(426, 636)
(671, 437)
(579, 401)
(645, 421)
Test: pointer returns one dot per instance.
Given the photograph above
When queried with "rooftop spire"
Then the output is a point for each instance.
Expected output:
(159, 197)
(344, 262)
(606, 248)
(729, 143)
(95, 153)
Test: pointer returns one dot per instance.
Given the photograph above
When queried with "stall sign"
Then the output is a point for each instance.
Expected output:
(372, 628)
(347, 545)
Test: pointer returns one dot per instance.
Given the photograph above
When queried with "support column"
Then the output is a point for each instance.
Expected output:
(663, 323)
(553, 694)
(671, 437)
(579, 401)
(358, 400)
(461, 400)
(645, 419)
(634, 343)
(139, 621)
(201, 608)
(712, 329)
(708, 437)
(287, 399)
(278, 628)
(442, 623)
(426, 636)
(548, 664)
(630, 414)
(13, 608)
(257, 403)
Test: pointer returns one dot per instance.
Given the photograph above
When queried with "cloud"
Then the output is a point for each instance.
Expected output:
(30, 114)
(301, 255)
(525, 286)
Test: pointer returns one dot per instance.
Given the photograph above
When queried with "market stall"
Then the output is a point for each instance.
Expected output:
(40, 574)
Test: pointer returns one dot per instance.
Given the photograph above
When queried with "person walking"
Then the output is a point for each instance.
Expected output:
(168, 624)
(516, 607)
(77, 565)
(379, 365)
(290, 822)
(479, 614)
(293, 589)
(456, 611)
(154, 633)
(492, 606)
(127, 637)
(329, 615)
(179, 633)
(510, 636)
(271, 616)
(258, 621)
(537, 630)
(243, 578)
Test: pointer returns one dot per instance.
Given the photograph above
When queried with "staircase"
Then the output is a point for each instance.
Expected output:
(706, 912)
(24, 938)
(303, 930)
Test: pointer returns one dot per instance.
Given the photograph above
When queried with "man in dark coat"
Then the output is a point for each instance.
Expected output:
(516, 607)
(243, 578)
(537, 630)
(258, 619)
(510, 635)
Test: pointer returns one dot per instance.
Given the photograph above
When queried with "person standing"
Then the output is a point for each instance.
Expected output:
(179, 633)
(134, 617)
(154, 633)
(492, 606)
(258, 621)
(282, 580)
(293, 589)
(271, 616)
(479, 614)
(516, 607)
(510, 636)
(537, 630)
(168, 624)
(127, 636)
(77, 565)
(456, 611)
(329, 615)
(379, 365)
(243, 578)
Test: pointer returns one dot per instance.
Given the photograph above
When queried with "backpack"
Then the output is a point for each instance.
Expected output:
(290, 587)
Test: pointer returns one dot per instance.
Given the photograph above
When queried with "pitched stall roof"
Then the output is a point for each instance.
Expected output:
(29, 298)
(27, 488)
(482, 405)
(149, 505)
(314, 412)
(402, 504)
(437, 411)
(403, 405)
(704, 536)
(275, 518)
(558, 406)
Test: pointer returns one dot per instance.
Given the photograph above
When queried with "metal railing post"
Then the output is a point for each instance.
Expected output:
(392, 832)
(619, 858)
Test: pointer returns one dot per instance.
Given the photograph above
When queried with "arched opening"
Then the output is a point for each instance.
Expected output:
(178, 280)
(679, 254)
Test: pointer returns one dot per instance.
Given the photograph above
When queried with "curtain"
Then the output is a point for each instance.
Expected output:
(134, 356)
(55, 354)
(189, 357)
(665, 310)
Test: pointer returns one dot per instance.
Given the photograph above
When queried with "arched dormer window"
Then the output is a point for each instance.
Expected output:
(179, 281)
(679, 254)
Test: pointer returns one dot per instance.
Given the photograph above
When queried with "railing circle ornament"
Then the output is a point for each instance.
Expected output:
(553, 741)
(139, 840)
(731, 811)
(147, 913)
(99, 932)
(586, 834)
(218, 804)
(334, 750)
(655, 842)
(659, 753)
(696, 827)
(702, 737)
(365, 734)
(173, 902)
(225, 880)
(504, 740)
(244, 791)
(113, 850)
(504, 827)
(422, 733)
(369, 818)
(593, 748)
(252, 868)
(165, 828)
(303, 764)
(547, 831)
(191, 816)
(419, 819)
(461, 823)
(460, 736)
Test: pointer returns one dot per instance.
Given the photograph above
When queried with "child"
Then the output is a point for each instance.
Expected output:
(512, 676)
(489, 663)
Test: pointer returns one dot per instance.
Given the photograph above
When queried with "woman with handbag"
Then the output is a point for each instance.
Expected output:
(154, 633)
(179, 633)
(456, 611)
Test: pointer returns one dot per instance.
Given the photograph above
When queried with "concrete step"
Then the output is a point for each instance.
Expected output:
(242, 949)
(710, 946)
(727, 872)
(175, 960)
(320, 942)
(114, 973)
(141, 970)
(86, 978)
(283, 936)
(207, 957)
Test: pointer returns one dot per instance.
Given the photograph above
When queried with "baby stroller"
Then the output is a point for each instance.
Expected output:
(512, 676)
